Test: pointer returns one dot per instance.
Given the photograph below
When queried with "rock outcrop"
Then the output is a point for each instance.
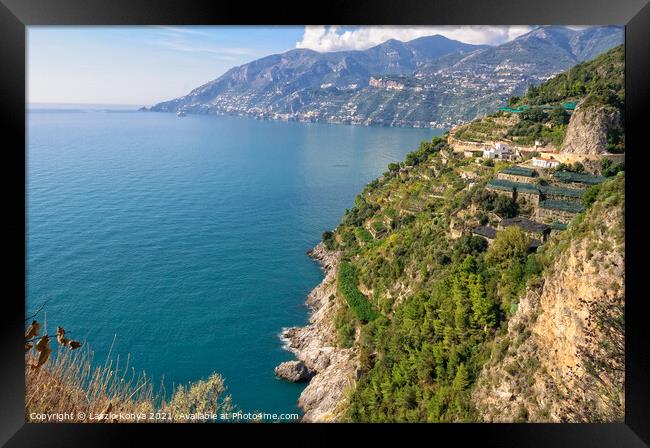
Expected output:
(293, 371)
(334, 368)
(588, 129)
(563, 359)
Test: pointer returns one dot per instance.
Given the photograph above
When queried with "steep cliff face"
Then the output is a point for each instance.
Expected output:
(588, 129)
(562, 359)
(334, 368)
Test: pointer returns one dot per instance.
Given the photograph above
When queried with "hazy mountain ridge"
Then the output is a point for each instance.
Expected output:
(429, 81)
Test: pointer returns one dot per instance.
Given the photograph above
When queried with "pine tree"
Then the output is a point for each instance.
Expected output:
(461, 380)
(461, 300)
(483, 313)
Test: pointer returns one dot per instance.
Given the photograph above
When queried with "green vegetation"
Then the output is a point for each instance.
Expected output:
(576, 167)
(491, 127)
(363, 235)
(536, 124)
(422, 354)
(590, 195)
(345, 324)
(503, 206)
(600, 80)
(347, 286)
(431, 351)
(543, 113)
(328, 239)
(426, 148)
(609, 168)
(435, 305)
(531, 124)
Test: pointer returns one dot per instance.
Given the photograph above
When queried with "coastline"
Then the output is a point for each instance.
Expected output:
(333, 368)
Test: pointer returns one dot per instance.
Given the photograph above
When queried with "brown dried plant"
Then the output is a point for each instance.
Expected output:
(68, 381)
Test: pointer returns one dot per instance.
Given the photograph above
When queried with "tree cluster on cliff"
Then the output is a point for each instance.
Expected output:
(442, 301)
(601, 81)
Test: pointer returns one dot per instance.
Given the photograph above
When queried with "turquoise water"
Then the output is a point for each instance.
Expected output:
(185, 239)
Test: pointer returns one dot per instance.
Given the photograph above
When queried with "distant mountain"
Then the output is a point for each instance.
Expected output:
(429, 81)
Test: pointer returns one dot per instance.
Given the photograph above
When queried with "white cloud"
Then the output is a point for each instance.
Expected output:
(336, 38)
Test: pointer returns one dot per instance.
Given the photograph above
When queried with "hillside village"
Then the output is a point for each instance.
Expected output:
(430, 82)
(427, 272)
(546, 193)
(548, 180)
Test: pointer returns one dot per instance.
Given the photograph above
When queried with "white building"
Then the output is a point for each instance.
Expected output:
(545, 162)
(498, 151)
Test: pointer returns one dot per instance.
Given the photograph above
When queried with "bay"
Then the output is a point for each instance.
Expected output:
(182, 241)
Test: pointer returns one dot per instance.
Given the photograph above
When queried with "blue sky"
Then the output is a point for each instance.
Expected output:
(145, 65)
(139, 65)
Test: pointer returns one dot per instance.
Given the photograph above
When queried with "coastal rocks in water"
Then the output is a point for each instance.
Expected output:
(293, 371)
(334, 368)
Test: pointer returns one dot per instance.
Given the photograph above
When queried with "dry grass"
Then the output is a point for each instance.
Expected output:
(70, 388)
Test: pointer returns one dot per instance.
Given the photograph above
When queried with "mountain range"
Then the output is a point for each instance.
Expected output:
(431, 81)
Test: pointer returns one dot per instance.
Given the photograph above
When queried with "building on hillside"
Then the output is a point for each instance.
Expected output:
(475, 153)
(517, 174)
(578, 179)
(558, 211)
(377, 228)
(534, 193)
(534, 229)
(561, 194)
(546, 162)
(515, 190)
(487, 232)
(534, 244)
(469, 175)
(557, 227)
(499, 151)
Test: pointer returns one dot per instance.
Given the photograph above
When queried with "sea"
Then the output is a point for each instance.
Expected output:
(181, 242)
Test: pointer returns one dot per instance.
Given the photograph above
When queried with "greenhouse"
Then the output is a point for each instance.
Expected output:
(572, 207)
(519, 171)
(507, 185)
(568, 176)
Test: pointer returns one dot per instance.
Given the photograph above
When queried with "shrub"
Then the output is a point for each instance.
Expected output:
(328, 240)
(609, 168)
(347, 286)
(469, 245)
(345, 327)
(506, 207)
(590, 196)
(363, 235)
(510, 244)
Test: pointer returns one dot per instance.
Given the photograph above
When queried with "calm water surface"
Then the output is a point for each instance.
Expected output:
(185, 239)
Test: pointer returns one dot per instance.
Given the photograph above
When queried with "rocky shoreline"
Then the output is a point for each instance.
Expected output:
(331, 370)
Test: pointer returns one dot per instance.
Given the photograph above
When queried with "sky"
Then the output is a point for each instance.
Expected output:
(126, 65)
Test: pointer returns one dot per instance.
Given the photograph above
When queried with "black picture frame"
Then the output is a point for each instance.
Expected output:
(15, 15)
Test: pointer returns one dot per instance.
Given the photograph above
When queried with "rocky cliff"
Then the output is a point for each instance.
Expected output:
(333, 368)
(588, 130)
(562, 359)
